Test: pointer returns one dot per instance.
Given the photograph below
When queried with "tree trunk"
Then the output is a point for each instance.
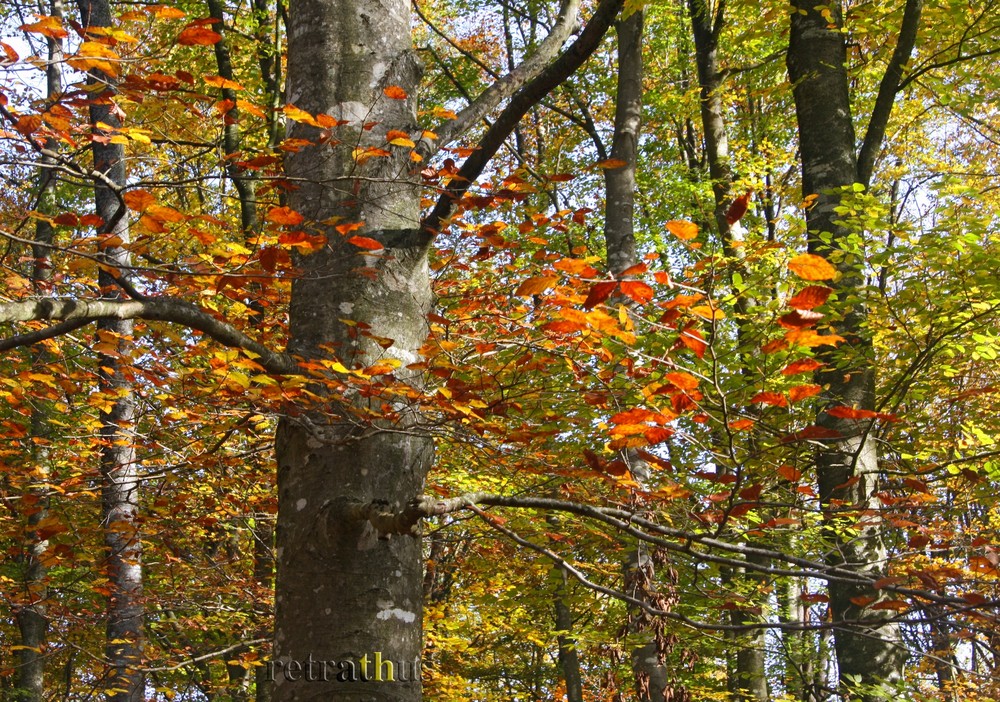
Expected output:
(119, 468)
(32, 617)
(569, 656)
(869, 648)
(348, 603)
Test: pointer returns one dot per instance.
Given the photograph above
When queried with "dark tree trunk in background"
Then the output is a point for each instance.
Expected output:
(869, 648)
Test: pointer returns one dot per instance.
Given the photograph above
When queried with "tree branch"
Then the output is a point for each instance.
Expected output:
(528, 96)
(567, 22)
(158, 309)
(888, 89)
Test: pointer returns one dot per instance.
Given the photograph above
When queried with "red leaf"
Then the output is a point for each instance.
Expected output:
(851, 413)
(657, 435)
(799, 319)
(741, 424)
(811, 432)
(752, 493)
(775, 399)
(599, 293)
(789, 473)
(637, 290)
(810, 297)
(738, 208)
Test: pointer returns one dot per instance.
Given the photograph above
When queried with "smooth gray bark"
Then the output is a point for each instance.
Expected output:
(343, 593)
(118, 462)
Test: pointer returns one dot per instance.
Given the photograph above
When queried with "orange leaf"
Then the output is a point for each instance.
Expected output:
(892, 604)
(198, 36)
(774, 346)
(46, 26)
(741, 424)
(801, 366)
(138, 200)
(810, 339)
(220, 82)
(395, 92)
(365, 242)
(535, 285)
(790, 474)
(599, 293)
(801, 392)
(693, 339)
(683, 381)
(812, 267)
(9, 52)
(810, 297)
(863, 600)
(637, 290)
(284, 215)
(611, 163)
(637, 269)
(574, 266)
(682, 229)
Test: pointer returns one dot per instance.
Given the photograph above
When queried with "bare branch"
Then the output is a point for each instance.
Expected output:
(532, 66)
(159, 309)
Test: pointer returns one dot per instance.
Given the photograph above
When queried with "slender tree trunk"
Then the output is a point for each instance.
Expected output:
(344, 594)
(652, 677)
(32, 617)
(119, 467)
(569, 656)
(869, 648)
(747, 671)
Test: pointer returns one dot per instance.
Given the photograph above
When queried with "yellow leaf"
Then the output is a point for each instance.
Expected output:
(401, 141)
(220, 82)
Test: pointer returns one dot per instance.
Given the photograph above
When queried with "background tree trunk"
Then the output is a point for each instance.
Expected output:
(119, 466)
(869, 648)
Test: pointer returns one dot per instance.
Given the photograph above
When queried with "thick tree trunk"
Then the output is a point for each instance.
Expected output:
(119, 467)
(348, 608)
(869, 648)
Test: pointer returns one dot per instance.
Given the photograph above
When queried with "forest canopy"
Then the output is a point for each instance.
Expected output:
(576, 351)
